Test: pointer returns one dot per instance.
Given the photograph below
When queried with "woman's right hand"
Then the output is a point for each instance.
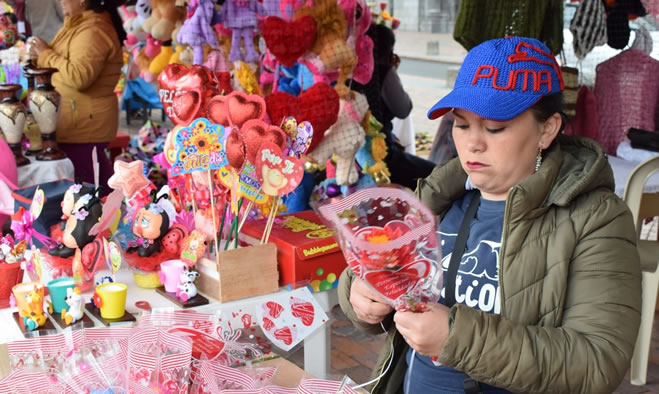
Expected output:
(367, 304)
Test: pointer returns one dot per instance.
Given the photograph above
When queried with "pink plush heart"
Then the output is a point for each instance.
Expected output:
(257, 132)
(393, 284)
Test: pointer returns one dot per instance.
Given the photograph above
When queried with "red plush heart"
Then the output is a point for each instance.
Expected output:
(284, 335)
(287, 41)
(274, 309)
(303, 311)
(393, 284)
(236, 150)
(216, 111)
(184, 93)
(278, 174)
(257, 132)
(319, 105)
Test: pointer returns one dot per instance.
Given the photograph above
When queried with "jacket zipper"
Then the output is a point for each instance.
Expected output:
(502, 251)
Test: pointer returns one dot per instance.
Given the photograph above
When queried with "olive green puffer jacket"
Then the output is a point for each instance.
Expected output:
(569, 282)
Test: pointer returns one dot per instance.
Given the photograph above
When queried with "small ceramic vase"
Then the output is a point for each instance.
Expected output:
(45, 104)
(12, 120)
(31, 129)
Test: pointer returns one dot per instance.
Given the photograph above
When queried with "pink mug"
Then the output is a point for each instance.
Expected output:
(170, 273)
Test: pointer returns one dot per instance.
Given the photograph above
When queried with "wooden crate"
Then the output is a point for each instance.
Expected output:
(243, 272)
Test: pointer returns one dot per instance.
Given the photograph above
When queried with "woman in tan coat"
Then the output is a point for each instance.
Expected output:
(87, 54)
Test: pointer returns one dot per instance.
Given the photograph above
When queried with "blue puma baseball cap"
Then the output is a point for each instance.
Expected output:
(501, 78)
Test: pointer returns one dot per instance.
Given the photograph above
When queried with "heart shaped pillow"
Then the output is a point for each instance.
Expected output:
(288, 41)
(319, 105)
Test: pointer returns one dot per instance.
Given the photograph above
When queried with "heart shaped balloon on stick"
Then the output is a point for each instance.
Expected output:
(185, 92)
(389, 240)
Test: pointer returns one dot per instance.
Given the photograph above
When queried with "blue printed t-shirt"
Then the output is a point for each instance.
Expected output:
(476, 285)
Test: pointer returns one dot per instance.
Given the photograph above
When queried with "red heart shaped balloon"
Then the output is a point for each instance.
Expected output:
(318, 105)
(241, 107)
(393, 284)
(235, 109)
(216, 111)
(184, 93)
(287, 41)
(256, 133)
(278, 174)
(236, 150)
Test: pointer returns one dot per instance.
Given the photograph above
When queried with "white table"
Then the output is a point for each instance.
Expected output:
(621, 170)
(316, 346)
(38, 172)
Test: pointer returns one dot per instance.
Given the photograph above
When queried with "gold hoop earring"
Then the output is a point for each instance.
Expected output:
(538, 160)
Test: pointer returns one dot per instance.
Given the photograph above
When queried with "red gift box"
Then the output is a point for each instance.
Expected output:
(306, 249)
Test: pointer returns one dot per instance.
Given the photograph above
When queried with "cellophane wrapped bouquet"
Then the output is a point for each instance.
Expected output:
(389, 240)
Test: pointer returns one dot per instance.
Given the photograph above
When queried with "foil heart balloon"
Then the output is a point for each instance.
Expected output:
(257, 133)
(319, 105)
(236, 149)
(394, 284)
(185, 92)
(298, 136)
(235, 109)
(278, 174)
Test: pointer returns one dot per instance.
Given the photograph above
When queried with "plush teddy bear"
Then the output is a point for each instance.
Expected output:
(165, 16)
(345, 138)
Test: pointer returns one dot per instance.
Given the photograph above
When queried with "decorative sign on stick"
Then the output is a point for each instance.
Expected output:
(199, 147)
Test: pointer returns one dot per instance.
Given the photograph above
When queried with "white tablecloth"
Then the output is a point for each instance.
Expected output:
(621, 170)
(38, 172)
(316, 349)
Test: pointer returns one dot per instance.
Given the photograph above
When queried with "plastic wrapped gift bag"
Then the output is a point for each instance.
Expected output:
(389, 240)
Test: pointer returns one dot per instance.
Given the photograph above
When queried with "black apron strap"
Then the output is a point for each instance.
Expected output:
(458, 251)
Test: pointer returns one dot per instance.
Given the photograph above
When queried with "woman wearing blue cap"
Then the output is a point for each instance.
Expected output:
(542, 284)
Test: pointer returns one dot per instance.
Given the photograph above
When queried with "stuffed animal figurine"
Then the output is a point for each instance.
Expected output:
(85, 213)
(197, 31)
(165, 15)
(330, 51)
(241, 17)
(345, 138)
(151, 224)
(36, 307)
(186, 289)
(76, 302)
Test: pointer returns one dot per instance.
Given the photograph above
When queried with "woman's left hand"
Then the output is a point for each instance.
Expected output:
(37, 46)
(426, 331)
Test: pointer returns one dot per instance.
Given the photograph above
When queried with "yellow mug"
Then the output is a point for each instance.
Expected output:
(21, 291)
(112, 300)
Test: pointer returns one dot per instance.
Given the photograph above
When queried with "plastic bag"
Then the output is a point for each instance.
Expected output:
(389, 240)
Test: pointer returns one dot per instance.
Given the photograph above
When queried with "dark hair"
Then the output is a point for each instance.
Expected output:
(547, 106)
(383, 43)
(111, 7)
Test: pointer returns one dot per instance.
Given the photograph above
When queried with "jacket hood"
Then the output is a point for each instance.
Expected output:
(571, 167)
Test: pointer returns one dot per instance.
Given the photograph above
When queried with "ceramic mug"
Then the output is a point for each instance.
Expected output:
(112, 300)
(20, 291)
(57, 289)
(170, 274)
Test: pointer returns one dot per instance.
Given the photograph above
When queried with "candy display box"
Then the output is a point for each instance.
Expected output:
(307, 251)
